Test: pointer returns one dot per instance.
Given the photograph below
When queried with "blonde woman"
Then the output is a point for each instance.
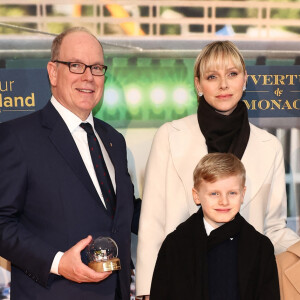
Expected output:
(220, 125)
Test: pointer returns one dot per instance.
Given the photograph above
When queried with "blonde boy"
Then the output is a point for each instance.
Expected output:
(216, 254)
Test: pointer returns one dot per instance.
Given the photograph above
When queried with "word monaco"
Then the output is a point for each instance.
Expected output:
(276, 84)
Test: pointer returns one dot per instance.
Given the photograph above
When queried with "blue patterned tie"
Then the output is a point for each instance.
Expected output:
(100, 169)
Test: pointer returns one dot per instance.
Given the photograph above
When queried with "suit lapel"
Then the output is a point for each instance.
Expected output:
(112, 151)
(107, 141)
(63, 141)
(110, 146)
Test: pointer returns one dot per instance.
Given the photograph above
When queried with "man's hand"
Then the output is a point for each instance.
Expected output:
(72, 268)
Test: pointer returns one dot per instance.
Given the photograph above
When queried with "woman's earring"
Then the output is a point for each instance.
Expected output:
(200, 94)
(244, 88)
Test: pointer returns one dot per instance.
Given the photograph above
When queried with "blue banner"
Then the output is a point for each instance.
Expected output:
(273, 91)
(22, 91)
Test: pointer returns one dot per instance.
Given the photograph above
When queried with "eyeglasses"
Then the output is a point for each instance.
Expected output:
(79, 68)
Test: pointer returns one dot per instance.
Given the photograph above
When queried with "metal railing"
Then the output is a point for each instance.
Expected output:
(153, 18)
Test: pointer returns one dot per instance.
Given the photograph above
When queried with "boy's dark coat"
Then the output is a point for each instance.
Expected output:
(177, 276)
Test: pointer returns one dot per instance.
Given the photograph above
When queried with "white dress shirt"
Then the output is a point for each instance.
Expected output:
(80, 137)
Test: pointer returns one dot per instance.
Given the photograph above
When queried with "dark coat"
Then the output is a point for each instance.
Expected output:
(177, 273)
(48, 203)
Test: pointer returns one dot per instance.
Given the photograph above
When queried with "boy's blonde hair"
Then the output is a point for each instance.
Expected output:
(215, 166)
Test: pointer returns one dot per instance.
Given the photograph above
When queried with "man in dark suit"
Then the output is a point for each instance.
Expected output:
(51, 203)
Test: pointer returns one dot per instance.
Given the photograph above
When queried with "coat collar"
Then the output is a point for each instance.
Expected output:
(187, 147)
(292, 273)
(248, 251)
(193, 232)
(258, 160)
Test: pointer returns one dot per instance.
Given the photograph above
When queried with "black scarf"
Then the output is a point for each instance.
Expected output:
(224, 232)
(226, 134)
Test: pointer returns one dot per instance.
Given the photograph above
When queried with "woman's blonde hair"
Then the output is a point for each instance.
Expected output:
(215, 166)
(217, 54)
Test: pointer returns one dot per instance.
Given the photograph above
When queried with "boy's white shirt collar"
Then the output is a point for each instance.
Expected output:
(209, 228)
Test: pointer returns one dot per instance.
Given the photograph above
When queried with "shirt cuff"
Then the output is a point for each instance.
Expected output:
(55, 263)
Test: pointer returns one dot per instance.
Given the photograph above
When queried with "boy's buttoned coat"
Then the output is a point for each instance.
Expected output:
(177, 148)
